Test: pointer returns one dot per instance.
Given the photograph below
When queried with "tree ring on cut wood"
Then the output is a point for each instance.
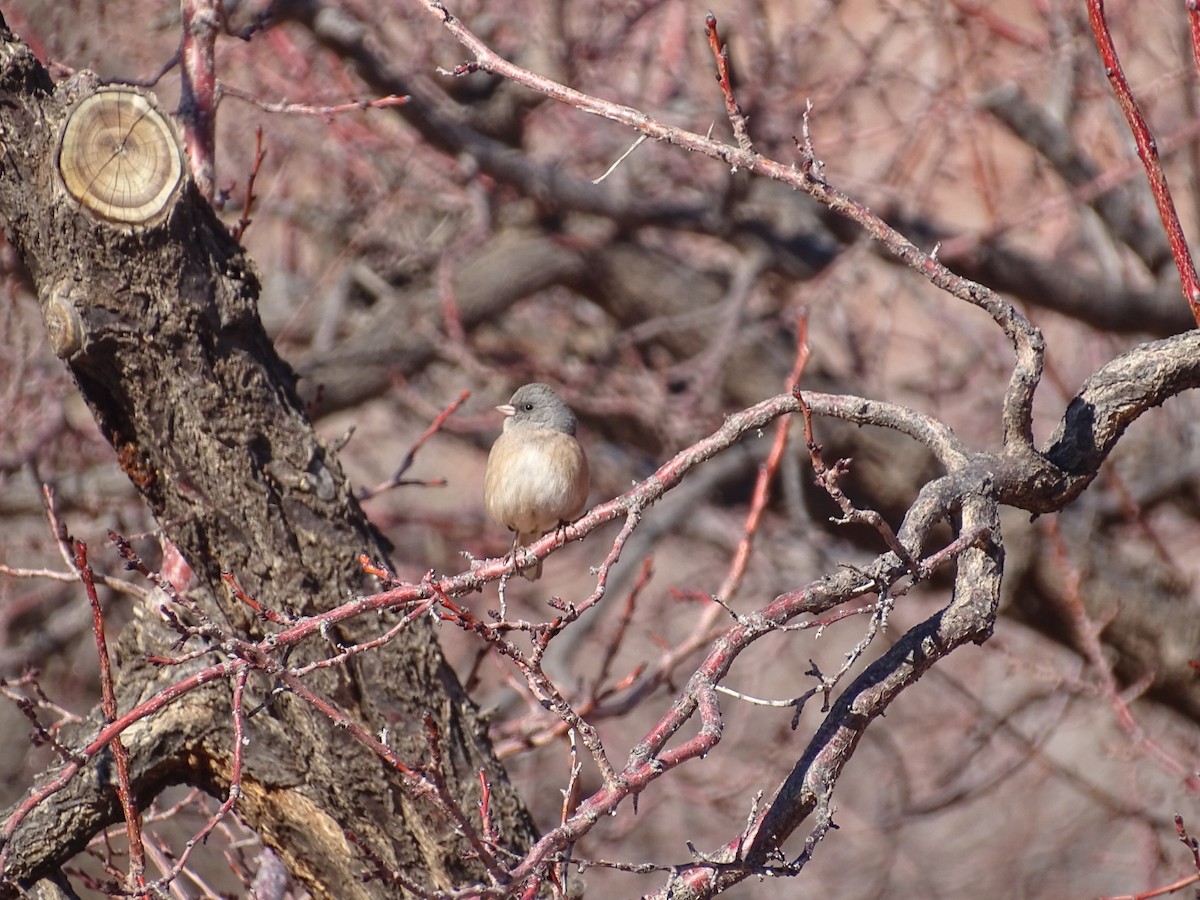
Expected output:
(121, 158)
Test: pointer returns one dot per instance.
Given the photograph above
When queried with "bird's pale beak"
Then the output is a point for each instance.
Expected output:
(508, 409)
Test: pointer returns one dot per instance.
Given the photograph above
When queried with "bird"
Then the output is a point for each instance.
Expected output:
(537, 473)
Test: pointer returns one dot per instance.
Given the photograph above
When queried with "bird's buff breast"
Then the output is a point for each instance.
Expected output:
(532, 480)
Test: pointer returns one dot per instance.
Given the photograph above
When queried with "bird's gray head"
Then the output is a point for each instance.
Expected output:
(537, 406)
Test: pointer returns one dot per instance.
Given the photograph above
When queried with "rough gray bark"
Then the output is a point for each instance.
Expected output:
(174, 364)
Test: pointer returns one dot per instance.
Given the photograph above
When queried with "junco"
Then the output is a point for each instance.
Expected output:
(537, 474)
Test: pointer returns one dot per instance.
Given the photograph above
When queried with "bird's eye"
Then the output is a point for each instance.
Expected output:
(528, 407)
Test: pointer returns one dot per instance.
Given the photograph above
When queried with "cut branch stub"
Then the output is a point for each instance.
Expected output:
(121, 158)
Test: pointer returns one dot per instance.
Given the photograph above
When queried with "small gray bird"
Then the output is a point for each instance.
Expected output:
(537, 474)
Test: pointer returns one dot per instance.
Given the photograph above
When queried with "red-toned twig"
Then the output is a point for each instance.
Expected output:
(156, 660)
(1137, 516)
(346, 652)
(573, 611)
(766, 474)
(1086, 633)
(136, 881)
(485, 814)
(260, 153)
(721, 54)
(372, 568)
(1002, 27)
(1188, 841)
(1147, 148)
(235, 782)
(703, 631)
(434, 427)
(451, 315)
(263, 612)
(614, 645)
(142, 711)
(1193, 19)
(1159, 891)
(421, 785)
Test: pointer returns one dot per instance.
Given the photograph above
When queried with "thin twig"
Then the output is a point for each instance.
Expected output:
(136, 881)
(1147, 148)
(620, 159)
(732, 109)
(307, 109)
(434, 427)
(260, 154)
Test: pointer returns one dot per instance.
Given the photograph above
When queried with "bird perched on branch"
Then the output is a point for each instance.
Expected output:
(537, 474)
